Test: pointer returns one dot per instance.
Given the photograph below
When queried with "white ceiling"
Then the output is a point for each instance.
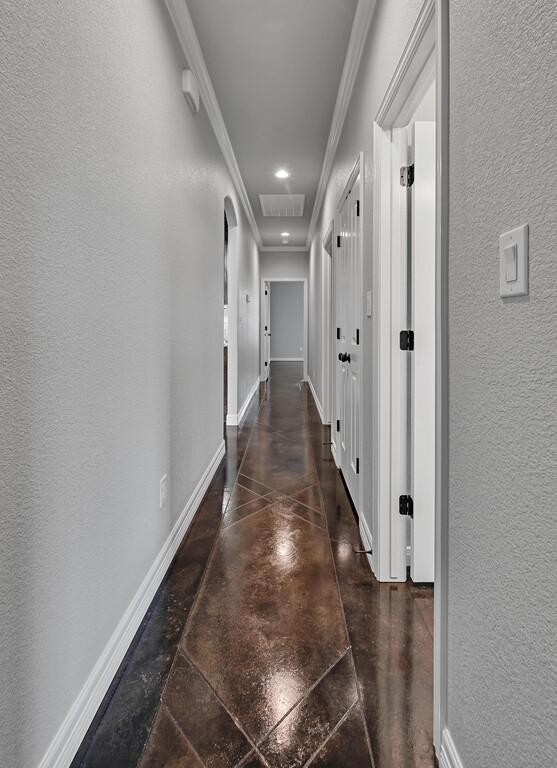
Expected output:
(275, 66)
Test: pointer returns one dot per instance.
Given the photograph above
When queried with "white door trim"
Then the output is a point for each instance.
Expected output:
(427, 47)
(441, 603)
(233, 266)
(327, 372)
(303, 280)
(413, 74)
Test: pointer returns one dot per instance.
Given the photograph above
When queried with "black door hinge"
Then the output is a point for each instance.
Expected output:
(265, 327)
(338, 333)
(406, 175)
(338, 241)
(266, 293)
(357, 335)
(406, 506)
(407, 341)
(338, 425)
(266, 363)
(357, 207)
(357, 466)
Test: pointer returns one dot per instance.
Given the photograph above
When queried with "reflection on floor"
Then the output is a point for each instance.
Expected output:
(270, 643)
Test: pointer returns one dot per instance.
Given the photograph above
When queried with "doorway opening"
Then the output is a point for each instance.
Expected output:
(284, 323)
(410, 139)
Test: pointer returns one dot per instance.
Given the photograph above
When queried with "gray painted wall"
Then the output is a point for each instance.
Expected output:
(503, 386)
(284, 264)
(111, 344)
(287, 320)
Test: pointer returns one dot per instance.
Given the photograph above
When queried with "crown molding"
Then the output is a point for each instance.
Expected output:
(358, 36)
(187, 36)
(419, 47)
(284, 249)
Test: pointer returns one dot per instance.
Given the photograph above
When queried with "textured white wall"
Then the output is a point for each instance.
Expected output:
(283, 264)
(111, 344)
(503, 386)
(287, 320)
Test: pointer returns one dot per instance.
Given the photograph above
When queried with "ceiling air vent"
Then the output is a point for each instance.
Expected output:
(282, 205)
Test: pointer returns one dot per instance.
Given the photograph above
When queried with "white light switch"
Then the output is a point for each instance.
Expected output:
(513, 262)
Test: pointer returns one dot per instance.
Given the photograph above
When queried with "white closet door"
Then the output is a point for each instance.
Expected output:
(266, 340)
(348, 293)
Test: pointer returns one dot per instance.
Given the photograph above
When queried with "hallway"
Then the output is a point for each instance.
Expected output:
(290, 652)
(239, 578)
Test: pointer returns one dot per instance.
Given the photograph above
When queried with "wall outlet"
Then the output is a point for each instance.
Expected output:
(163, 491)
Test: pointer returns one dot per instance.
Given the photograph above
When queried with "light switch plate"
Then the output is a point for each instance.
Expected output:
(513, 262)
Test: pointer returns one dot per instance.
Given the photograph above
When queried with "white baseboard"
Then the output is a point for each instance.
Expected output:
(316, 400)
(287, 359)
(235, 419)
(448, 757)
(334, 454)
(67, 740)
(367, 538)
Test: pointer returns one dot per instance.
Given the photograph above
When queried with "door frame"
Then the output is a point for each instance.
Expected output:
(328, 361)
(427, 49)
(232, 259)
(303, 280)
(264, 372)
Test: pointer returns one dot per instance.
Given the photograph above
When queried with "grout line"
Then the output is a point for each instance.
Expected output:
(331, 734)
(305, 696)
(235, 509)
(262, 758)
(253, 479)
(177, 725)
(303, 519)
(182, 650)
(317, 511)
(236, 722)
(213, 548)
(247, 517)
(358, 686)
(239, 482)
(196, 598)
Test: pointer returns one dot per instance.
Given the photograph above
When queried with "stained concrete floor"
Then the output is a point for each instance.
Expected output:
(270, 643)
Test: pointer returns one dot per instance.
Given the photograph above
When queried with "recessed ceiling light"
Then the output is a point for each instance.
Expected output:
(285, 234)
(282, 174)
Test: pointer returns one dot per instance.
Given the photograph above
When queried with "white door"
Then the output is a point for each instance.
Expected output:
(347, 265)
(422, 448)
(266, 332)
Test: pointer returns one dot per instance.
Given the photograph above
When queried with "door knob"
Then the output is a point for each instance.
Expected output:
(347, 358)
(340, 357)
